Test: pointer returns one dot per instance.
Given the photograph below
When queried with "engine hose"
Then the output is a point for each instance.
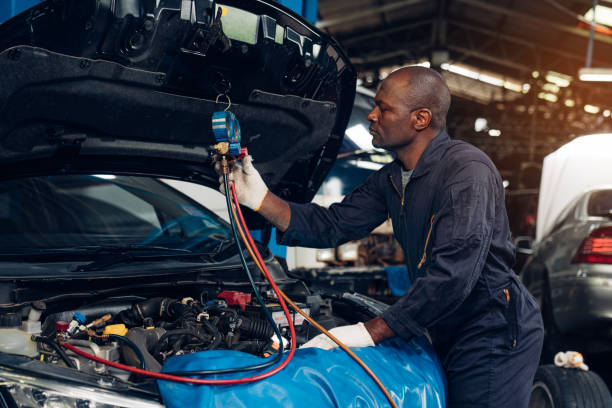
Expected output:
(214, 332)
(188, 380)
(131, 345)
(55, 346)
(250, 245)
(260, 329)
(176, 332)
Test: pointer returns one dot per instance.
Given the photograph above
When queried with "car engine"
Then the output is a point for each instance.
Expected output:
(145, 332)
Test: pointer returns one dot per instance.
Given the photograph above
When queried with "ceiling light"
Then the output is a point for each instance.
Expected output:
(558, 79)
(495, 132)
(535, 74)
(457, 69)
(595, 74)
(491, 80)
(548, 96)
(603, 15)
(505, 183)
(606, 113)
(480, 124)
(526, 88)
(425, 64)
(550, 87)
(570, 103)
(364, 164)
(513, 86)
(591, 109)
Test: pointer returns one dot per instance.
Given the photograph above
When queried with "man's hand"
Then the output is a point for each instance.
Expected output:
(250, 187)
(354, 335)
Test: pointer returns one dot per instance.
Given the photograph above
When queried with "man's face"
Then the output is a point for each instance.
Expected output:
(391, 120)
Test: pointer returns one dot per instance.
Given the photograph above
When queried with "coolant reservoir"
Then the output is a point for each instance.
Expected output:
(16, 336)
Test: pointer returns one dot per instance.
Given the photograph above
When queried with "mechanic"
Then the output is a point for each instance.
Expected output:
(446, 202)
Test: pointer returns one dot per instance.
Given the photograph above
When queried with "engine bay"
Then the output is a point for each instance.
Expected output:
(144, 332)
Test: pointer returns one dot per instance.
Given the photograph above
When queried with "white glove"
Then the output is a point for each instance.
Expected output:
(355, 335)
(570, 359)
(250, 187)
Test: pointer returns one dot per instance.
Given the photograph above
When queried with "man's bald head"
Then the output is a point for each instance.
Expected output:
(422, 87)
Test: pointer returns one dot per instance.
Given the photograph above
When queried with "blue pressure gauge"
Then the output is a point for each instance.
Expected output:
(226, 128)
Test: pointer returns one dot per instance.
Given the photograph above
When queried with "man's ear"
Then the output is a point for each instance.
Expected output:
(423, 119)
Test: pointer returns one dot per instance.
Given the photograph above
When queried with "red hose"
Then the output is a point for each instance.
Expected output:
(189, 380)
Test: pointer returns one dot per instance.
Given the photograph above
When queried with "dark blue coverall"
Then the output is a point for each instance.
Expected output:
(452, 224)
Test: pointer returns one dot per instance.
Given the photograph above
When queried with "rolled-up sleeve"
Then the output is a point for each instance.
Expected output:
(317, 227)
(461, 236)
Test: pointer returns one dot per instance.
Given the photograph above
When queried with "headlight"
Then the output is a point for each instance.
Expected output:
(29, 391)
(326, 255)
(349, 251)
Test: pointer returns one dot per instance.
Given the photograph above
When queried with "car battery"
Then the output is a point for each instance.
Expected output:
(277, 313)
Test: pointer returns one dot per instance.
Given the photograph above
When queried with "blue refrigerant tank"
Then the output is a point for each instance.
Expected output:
(316, 378)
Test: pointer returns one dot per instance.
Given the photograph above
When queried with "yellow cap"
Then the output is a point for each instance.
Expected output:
(118, 329)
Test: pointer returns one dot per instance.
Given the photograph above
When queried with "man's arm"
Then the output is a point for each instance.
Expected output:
(379, 330)
(311, 225)
(276, 210)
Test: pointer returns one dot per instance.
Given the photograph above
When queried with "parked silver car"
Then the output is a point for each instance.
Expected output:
(570, 273)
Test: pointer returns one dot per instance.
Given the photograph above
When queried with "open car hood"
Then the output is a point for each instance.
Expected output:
(129, 86)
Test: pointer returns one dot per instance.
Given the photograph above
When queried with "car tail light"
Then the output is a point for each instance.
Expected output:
(597, 248)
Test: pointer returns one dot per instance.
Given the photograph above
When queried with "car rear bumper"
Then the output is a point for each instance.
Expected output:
(582, 299)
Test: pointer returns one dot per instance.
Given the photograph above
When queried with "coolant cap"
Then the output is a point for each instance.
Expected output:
(61, 325)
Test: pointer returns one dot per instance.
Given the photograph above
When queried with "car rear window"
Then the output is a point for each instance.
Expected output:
(600, 203)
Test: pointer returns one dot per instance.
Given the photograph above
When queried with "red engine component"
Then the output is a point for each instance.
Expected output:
(233, 298)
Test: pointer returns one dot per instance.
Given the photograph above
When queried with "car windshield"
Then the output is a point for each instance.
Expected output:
(600, 203)
(67, 211)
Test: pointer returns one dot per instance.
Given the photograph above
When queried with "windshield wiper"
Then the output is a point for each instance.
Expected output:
(115, 254)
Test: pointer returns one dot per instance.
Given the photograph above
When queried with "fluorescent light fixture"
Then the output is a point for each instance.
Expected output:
(561, 80)
(591, 109)
(550, 97)
(468, 72)
(603, 15)
(425, 64)
(480, 124)
(595, 74)
(495, 132)
(491, 80)
(458, 69)
(513, 86)
(365, 164)
(361, 136)
(570, 103)
(105, 176)
(606, 113)
(548, 87)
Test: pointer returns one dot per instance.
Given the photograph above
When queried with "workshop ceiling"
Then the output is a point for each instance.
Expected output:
(508, 43)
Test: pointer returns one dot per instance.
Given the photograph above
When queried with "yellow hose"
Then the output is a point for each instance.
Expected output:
(311, 320)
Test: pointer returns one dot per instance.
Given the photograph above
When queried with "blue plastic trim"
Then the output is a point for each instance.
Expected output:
(397, 279)
(305, 8)
(10, 8)
(276, 249)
